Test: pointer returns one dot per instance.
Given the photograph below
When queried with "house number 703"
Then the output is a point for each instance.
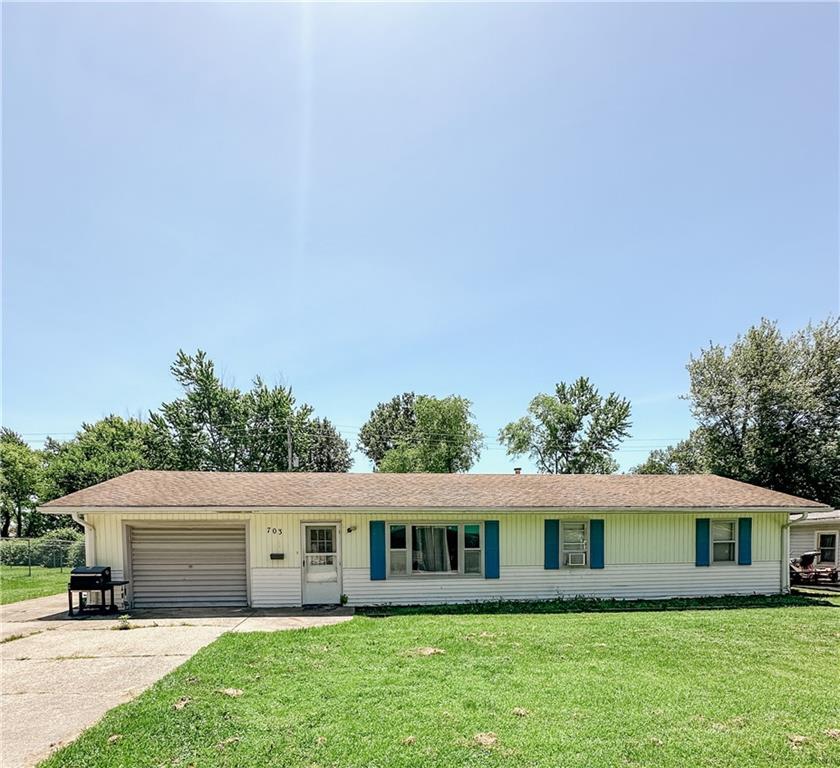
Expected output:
(277, 531)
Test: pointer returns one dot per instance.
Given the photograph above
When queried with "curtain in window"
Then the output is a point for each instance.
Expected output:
(434, 548)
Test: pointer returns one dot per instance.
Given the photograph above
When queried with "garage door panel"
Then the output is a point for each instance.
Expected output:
(180, 567)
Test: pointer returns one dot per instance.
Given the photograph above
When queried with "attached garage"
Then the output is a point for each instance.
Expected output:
(188, 566)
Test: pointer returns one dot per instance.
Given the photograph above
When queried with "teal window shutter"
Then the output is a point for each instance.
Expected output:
(596, 543)
(377, 550)
(744, 541)
(491, 549)
(552, 545)
(702, 541)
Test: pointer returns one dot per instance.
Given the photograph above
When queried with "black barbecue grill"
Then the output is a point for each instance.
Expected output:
(91, 579)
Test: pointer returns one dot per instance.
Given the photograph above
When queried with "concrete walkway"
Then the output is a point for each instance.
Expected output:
(59, 676)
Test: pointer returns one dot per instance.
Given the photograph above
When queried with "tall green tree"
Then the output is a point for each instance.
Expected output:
(445, 438)
(388, 426)
(221, 428)
(421, 433)
(573, 431)
(768, 409)
(107, 448)
(21, 482)
(324, 450)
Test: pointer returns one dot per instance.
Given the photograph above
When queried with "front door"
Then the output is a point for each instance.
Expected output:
(321, 563)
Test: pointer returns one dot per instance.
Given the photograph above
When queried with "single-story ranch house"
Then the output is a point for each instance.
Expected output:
(287, 539)
(818, 532)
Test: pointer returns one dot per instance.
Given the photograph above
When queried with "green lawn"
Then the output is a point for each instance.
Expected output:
(16, 584)
(744, 687)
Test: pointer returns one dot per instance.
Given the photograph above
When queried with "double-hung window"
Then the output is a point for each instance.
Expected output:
(397, 550)
(573, 543)
(827, 545)
(472, 548)
(723, 541)
(434, 548)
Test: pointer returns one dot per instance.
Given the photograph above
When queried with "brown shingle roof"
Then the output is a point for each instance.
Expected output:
(244, 490)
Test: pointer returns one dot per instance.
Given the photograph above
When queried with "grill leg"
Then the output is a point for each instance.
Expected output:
(70, 600)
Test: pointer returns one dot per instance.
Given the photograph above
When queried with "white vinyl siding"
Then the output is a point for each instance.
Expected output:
(179, 567)
(536, 583)
(647, 554)
(805, 537)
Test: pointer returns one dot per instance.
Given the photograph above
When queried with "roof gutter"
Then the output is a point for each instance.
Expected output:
(785, 575)
(90, 538)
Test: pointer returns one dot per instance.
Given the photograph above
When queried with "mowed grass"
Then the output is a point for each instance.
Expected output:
(744, 687)
(16, 583)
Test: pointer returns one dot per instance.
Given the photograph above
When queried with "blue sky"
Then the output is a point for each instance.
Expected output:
(361, 200)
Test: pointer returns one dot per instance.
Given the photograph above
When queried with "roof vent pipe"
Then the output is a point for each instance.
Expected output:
(517, 470)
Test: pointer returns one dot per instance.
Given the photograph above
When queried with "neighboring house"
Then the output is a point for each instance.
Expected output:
(286, 539)
(818, 532)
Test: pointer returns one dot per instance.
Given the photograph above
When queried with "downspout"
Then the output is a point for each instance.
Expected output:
(785, 576)
(90, 538)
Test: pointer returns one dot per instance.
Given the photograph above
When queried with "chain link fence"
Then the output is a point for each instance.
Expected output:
(43, 552)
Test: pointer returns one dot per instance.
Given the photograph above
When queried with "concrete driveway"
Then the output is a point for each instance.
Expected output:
(58, 675)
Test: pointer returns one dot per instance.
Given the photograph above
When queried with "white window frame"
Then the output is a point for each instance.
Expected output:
(406, 551)
(712, 542)
(586, 543)
(411, 573)
(819, 549)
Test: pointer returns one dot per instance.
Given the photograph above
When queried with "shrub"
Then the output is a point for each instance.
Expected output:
(52, 549)
(61, 547)
(76, 554)
(14, 552)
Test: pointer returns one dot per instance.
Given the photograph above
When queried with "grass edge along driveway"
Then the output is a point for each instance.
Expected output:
(747, 687)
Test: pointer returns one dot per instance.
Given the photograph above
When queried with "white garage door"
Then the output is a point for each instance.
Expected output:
(182, 567)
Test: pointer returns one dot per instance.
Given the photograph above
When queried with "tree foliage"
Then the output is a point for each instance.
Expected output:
(221, 428)
(768, 409)
(211, 427)
(421, 433)
(573, 431)
(389, 425)
(326, 450)
(20, 484)
(686, 457)
(107, 448)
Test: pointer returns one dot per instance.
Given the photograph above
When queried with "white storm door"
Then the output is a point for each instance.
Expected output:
(321, 582)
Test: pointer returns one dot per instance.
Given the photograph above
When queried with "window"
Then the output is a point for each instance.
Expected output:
(434, 548)
(417, 550)
(398, 549)
(827, 545)
(320, 546)
(472, 548)
(723, 541)
(573, 543)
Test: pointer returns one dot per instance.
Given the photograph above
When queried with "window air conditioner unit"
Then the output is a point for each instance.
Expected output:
(576, 558)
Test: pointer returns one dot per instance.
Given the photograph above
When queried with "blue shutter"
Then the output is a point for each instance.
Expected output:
(744, 541)
(491, 549)
(596, 543)
(377, 550)
(552, 545)
(702, 541)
